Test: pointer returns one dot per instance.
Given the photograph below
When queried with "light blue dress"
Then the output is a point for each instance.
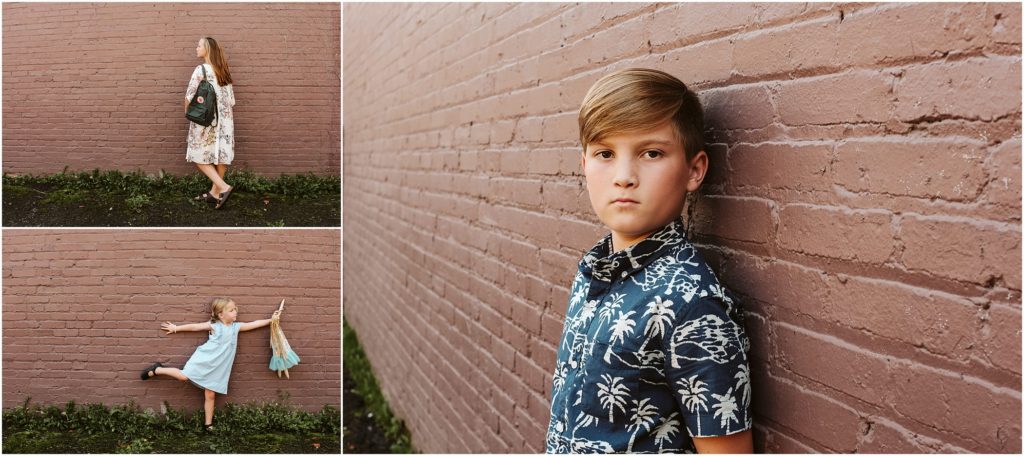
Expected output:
(210, 366)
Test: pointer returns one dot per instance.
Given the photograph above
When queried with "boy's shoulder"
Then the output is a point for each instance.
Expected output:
(681, 269)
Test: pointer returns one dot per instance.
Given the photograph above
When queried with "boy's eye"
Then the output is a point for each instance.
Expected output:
(603, 154)
(653, 153)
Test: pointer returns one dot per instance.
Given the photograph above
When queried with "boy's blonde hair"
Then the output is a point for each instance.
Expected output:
(637, 99)
(217, 306)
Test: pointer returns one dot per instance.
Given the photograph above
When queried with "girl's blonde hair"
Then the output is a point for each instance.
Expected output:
(217, 306)
(218, 60)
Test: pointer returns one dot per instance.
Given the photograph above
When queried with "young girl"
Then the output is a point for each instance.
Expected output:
(210, 366)
(213, 148)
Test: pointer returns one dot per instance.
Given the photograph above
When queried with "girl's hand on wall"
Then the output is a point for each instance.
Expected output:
(171, 328)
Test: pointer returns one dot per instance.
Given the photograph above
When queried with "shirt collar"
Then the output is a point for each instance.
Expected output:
(601, 265)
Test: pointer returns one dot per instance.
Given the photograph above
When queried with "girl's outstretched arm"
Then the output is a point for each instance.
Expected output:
(258, 323)
(173, 328)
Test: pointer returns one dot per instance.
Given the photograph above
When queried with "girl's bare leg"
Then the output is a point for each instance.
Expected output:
(221, 170)
(219, 186)
(170, 372)
(208, 406)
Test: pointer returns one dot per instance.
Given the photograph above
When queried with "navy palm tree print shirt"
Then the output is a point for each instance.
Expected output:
(653, 352)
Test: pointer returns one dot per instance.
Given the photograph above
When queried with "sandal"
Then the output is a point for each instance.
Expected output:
(204, 197)
(208, 428)
(223, 198)
(145, 374)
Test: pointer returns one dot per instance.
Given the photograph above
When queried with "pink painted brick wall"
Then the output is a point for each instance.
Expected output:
(82, 312)
(102, 85)
(864, 201)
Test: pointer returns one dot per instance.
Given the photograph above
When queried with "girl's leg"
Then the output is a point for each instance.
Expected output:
(171, 372)
(219, 186)
(208, 406)
(221, 170)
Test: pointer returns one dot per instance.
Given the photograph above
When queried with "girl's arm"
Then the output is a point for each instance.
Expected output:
(258, 323)
(173, 328)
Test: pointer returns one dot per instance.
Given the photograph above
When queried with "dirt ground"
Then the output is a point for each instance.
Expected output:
(41, 205)
(360, 433)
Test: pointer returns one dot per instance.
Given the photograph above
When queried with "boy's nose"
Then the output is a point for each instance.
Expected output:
(625, 176)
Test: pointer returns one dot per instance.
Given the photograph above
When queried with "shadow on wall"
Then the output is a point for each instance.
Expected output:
(102, 86)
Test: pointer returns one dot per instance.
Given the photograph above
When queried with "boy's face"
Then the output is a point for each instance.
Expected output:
(638, 181)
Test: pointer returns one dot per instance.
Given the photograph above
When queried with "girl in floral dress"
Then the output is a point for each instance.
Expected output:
(213, 148)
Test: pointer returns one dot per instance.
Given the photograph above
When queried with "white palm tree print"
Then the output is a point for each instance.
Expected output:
(609, 309)
(665, 430)
(743, 383)
(661, 317)
(580, 293)
(693, 392)
(643, 417)
(622, 327)
(612, 395)
(725, 408)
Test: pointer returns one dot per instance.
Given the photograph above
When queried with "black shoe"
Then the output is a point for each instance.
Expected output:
(223, 198)
(145, 374)
(208, 428)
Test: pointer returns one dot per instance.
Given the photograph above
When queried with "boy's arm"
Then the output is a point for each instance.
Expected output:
(257, 324)
(740, 442)
(173, 328)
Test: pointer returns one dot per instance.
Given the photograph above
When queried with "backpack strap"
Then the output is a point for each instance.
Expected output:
(216, 112)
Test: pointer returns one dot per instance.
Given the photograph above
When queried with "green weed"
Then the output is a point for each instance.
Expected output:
(376, 405)
(96, 428)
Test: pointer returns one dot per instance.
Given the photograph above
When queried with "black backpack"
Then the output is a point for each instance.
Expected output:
(203, 107)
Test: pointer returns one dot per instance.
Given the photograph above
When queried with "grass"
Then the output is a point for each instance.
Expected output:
(369, 425)
(113, 198)
(96, 428)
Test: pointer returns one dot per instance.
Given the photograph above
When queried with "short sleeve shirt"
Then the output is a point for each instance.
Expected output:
(653, 352)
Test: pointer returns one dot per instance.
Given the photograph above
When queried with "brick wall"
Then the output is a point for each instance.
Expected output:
(82, 312)
(102, 85)
(864, 202)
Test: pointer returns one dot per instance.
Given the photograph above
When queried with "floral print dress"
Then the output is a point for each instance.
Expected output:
(214, 144)
(653, 353)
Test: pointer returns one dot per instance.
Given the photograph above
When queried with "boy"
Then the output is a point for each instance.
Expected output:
(653, 352)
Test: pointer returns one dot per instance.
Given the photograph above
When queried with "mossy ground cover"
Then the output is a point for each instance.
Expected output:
(96, 428)
(112, 198)
(369, 425)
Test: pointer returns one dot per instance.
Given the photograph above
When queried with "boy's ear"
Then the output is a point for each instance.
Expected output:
(698, 169)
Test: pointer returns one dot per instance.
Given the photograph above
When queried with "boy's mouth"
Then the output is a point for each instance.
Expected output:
(625, 201)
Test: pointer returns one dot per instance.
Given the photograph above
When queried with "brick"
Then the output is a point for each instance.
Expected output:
(849, 370)
(950, 402)
(745, 107)
(700, 63)
(937, 29)
(831, 424)
(1004, 175)
(860, 236)
(940, 323)
(974, 88)
(721, 216)
(856, 96)
(887, 437)
(950, 170)
(784, 50)
(962, 251)
(787, 166)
